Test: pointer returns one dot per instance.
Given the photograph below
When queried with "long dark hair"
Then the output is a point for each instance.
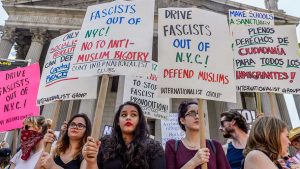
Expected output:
(136, 154)
(64, 142)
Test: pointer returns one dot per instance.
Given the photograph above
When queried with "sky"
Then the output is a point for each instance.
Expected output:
(291, 7)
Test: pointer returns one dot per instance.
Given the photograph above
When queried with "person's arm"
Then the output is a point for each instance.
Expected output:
(90, 153)
(258, 160)
(221, 158)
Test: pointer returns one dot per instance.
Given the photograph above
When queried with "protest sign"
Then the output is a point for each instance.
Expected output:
(194, 62)
(55, 82)
(250, 18)
(18, 93)
(266, 59)
(115, 38)
(143, 91)
(170, 129)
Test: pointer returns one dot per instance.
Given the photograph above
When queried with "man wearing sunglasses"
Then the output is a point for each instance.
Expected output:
(233, 125)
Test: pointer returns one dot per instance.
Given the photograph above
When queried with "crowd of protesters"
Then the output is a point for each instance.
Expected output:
(129, 146)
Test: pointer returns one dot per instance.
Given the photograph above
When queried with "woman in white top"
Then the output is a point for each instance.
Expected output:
(34, 129)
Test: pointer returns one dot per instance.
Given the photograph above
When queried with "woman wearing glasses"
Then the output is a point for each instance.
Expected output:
(67, 153)
(129, 145)
(186, 153)
(34, 129)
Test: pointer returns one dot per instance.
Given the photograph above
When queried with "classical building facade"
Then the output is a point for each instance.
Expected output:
(33, 23)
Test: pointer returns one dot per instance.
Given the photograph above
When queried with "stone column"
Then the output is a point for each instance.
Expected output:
(283, 110)
(37, 44)
(297, 103)
(269, 105)
(271, 5)
(7, 41)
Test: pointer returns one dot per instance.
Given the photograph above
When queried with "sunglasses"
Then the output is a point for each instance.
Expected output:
(223, 121)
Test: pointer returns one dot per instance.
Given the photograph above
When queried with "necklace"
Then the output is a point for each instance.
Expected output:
(188, 144)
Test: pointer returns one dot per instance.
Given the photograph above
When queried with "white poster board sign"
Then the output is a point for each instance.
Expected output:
(115, 38)
(55, 81)
(195, 56)
(266, 59)
(250, 17)
(170, 129)
(143, 91)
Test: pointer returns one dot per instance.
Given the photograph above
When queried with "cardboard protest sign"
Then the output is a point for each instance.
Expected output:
(55, 81)
(18, 94)
(266, 59)
(250, 18)
(115, 38)
(194, 62)
(143, 91)
(170, 129)
(7, 64)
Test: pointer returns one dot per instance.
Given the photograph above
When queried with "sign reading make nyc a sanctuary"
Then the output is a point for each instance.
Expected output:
(195, 56)
(55, 81)
(115, 38)
(266, 59)
(250, 18)
(18, 94)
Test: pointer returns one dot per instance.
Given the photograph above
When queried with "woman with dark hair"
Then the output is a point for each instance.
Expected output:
(268, 142)
(67, 153)
(186, 153)
(34, 129)
(129, 145)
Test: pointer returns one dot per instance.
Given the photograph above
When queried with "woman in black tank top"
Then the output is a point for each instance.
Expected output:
(67, 153)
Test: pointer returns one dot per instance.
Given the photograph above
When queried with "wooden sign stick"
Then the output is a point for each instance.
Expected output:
(54, 121)
(69, 110)
(258, 105)
(202, 129)
(100, 107)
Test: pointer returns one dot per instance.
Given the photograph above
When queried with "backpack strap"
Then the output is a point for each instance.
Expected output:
(176, 145)
(212, 145)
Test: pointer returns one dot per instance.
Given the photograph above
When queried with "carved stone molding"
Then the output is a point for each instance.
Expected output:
(8, 34)
(39, 35)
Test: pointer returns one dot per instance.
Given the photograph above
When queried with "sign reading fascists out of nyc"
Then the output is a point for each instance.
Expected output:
(18, 93)
(249, 17)
(266, 59)
(55, 81)
(143, 91)
(115, 38)
(195, 56)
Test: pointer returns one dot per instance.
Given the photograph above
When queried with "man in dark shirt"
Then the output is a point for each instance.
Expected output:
(234, 126)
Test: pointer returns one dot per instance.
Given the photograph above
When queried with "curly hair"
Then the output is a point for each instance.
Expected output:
(240, 120)
(265, 136)
(182, 109)
(64, 142)
(38, 122)
(136, 155)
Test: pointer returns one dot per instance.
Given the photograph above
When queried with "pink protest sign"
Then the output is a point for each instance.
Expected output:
(18, 94)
